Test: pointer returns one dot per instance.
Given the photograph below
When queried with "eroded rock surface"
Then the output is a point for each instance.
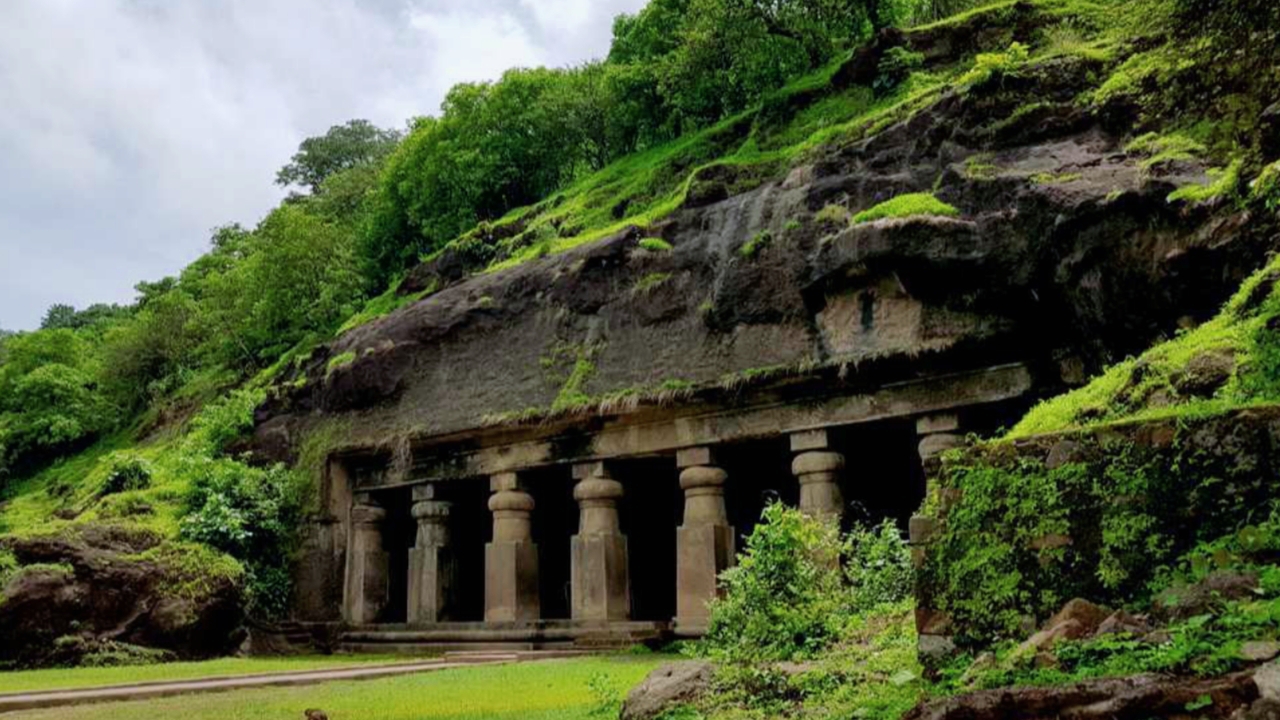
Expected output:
(90, 591)
(1065, 255)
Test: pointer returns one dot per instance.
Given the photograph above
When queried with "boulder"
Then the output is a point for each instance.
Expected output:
(1122, 622)
(1204, 373)
(1185, 601)
(90, 593)
(1259, 650)
(669, 685)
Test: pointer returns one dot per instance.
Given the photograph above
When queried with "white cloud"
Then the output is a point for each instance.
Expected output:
(129, 128)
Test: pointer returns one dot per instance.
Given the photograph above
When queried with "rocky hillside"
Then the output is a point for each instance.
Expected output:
(1008, 209)
(1061, 183)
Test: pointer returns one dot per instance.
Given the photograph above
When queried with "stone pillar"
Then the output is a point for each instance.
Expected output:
(368, 576)
(511, 560)
(817, 468)
(704, 542)
(937, 433)
(432, 569)
(598, 553)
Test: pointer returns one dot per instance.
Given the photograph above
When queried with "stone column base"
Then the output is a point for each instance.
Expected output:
(601, 585)
(367, 589)
(511, 582)
(431, 581)
(702, 552)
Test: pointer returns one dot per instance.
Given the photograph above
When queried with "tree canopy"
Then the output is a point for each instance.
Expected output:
(356, 143)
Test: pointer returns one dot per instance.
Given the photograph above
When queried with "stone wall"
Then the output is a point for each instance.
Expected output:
(1013, 529)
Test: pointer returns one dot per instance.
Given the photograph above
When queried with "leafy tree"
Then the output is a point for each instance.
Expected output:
(303, 274)
(67, 317)
(356, 143)
(59, 316)
(48, 396)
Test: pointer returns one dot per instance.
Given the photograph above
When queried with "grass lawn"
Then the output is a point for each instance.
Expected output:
(65, 679)
(545, 690)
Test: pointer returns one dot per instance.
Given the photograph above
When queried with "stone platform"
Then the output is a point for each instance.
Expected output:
(542, 635)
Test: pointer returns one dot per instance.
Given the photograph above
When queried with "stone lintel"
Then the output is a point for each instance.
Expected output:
(942, 423)
(619, 438)
(810, 440)
(695, 456)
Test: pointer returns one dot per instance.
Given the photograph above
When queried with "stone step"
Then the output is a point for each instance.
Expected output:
(470, 656)
(438, 648)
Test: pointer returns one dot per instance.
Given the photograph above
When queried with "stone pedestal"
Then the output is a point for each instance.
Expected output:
(704, 541)
(511, 560)
(365, 589)
(598, 553)
(818, 470)
(432, 568)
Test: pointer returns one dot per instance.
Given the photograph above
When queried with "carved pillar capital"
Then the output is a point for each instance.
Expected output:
(818, 472)
(368, 516)
(704, 495)
(597, 494)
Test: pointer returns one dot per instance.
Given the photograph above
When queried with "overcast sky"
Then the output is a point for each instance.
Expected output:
(130, 128)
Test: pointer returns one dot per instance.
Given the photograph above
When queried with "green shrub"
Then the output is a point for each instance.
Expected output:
(250, 513)
(222, 422)
(903, 206)
(1266, 188)
(128, 472)
(784, 599)
(799, 583)
(993, 66)
(8, 568)
(895, 67)
(878, 566)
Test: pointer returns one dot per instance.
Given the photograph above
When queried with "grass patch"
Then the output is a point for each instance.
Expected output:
(904, 206)
(1223, 182)
(655, 244)
(547, 690)
(1126, 391)
(337, 362)
(650, 282)
(385, 304)
(833, 214)
(60, 678)
(758, 242)
(1052, 179)
(1164, 149)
